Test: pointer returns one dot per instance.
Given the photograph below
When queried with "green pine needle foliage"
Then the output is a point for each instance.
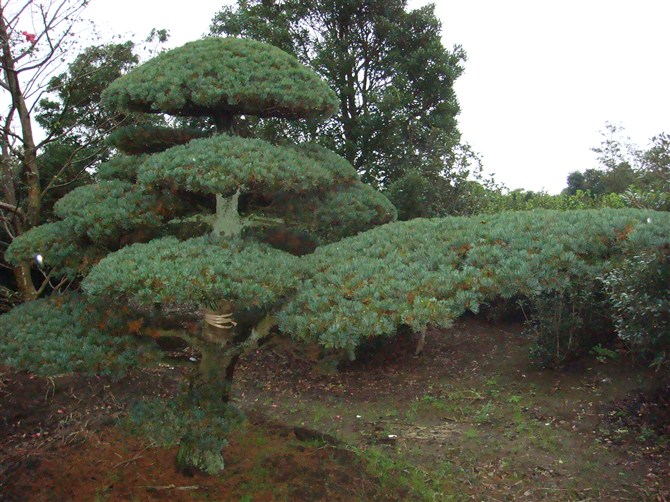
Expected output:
(108, 209)
(121, 167)
(431, 271)
(340, 168)
(147, 139)
(59, 245)
(351, 210)
(199, 426)
(222, 164)
(227, 76)
(326, 217)
(64, 334)
(201, 270)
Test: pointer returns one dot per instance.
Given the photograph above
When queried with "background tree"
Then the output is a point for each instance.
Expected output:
(456, 189)
(72, 116)
(655, 164)
(54, 131)
(204, 208)
(392, 76)
(33, 39)
(624, 167)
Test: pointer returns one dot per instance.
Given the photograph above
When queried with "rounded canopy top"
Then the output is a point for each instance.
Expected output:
(223, 76)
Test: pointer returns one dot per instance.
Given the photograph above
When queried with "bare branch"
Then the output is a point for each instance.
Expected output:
(6, 221)
(13, 209)
(13, 20)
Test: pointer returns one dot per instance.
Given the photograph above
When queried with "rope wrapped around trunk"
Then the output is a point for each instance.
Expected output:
(222, 321)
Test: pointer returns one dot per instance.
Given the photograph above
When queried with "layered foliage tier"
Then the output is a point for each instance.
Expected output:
(149, 138)
(227, 76)
(197, 271)
(96, 219)
(223, 164)
(64, 334)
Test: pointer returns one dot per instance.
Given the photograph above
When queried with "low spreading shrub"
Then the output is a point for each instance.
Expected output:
(429, 272)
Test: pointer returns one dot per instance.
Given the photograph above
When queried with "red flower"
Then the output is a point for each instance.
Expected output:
(30, 37)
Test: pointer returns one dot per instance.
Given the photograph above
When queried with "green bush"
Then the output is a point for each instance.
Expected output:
(639, 293)
(196, 424)
(425, 272)
(57, 335)
(568, 323)
(522, 200)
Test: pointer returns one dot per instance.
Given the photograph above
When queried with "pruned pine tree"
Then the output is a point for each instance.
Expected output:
(220, 218)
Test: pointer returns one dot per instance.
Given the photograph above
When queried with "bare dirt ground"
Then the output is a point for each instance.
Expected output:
(470, 419)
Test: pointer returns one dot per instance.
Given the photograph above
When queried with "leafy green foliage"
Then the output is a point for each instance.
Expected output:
(658, 200)
(146, 138)
(74, 121)
(431, 271)
(223, 76)
(566, 323)
(496, 201)
(65, 334)
(223, 164)
(638, 290)
(75, 104)
(625, 167)
(615, 180)
(201, 270)
(413, 195)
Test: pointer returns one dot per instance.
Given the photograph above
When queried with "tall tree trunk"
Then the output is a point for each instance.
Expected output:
(29, 157)
(30, 171)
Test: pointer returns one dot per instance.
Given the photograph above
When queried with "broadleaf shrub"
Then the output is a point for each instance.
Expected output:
(639, 294)
(568, 322)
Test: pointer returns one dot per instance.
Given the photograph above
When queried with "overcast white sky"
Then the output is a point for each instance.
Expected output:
(541, 79)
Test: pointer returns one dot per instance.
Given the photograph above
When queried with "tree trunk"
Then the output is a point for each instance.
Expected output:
(24, 282)
(29, 167)
(216, 372)
(29, 158)
(221, 346)
(224, 122)
(227, 222)
(214, 382)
